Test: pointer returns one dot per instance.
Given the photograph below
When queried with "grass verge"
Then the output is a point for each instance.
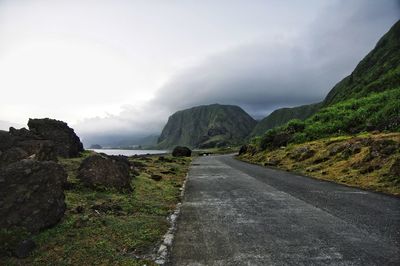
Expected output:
(365, 160)
(111, 228)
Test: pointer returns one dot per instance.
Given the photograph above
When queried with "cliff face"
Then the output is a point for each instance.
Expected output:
(206, 127)
(377, 72)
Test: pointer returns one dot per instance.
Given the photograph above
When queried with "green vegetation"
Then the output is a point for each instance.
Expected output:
(207, 126)
(379, 111)
(377, 72)
(107, 227)
(330, 140)
(283, 115)
(369, 161)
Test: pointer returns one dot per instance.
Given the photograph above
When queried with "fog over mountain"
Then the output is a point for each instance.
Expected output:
(259, 55)
(268, 74)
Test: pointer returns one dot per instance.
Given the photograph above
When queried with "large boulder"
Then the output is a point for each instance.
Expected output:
(12, 155)
(180, 151)
(6, 140)
(31, 194)
(18, 144)
(101, 171)
(67, 143)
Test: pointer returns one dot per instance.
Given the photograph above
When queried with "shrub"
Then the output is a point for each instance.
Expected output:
(378, 111)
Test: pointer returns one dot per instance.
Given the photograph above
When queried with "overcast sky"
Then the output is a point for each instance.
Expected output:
(122, 67)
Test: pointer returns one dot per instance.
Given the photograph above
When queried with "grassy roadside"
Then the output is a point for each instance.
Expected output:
(364, 161)
(108, 227)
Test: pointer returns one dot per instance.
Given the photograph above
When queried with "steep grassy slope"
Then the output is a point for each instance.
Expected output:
(378, 71)
(378, 111)
(207, 126)
(284, 115)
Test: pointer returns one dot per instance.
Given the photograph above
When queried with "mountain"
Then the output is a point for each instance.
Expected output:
(378, 71)
(119, 140)
(284, 115)
(207, 126)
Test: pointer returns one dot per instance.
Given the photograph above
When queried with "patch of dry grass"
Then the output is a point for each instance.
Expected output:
(354, 168)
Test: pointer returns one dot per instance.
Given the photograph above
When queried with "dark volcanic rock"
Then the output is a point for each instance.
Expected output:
(42, 150)
(381, 149)
(18, 144)
(243, 149)
(247, 149)
(67, 143)
(156, 177)
(24, 248)
(302, 153)
(180, 151)
(346, 149)
(31, 194)
(12, 155)
(395, 168)
(23, 134)
(100, 171)
(6, 140)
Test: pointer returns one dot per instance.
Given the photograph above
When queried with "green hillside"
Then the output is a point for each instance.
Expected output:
(378, 71)
(354, 137)
(366, 100)
(207, 126)
(283, 115)
(378, 111)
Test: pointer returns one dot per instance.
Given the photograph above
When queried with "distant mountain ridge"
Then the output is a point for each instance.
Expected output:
(283, 115)
(207, 126)
(379, 70)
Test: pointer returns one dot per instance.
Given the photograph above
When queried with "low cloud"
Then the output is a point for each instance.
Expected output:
(267, 74)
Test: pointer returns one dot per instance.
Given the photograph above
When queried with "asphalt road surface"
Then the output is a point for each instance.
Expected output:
(234, 213)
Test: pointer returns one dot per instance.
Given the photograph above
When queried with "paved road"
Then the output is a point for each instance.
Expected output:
(235, 213)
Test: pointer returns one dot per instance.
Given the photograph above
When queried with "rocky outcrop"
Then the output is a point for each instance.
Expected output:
(207, 126)
(96, 146)
(24, 248)
(67, 143)
(302, 153)
(46, 140)
(180, 151)
(17, 145)
(31, 194)
(31, 182)
(102, 171)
